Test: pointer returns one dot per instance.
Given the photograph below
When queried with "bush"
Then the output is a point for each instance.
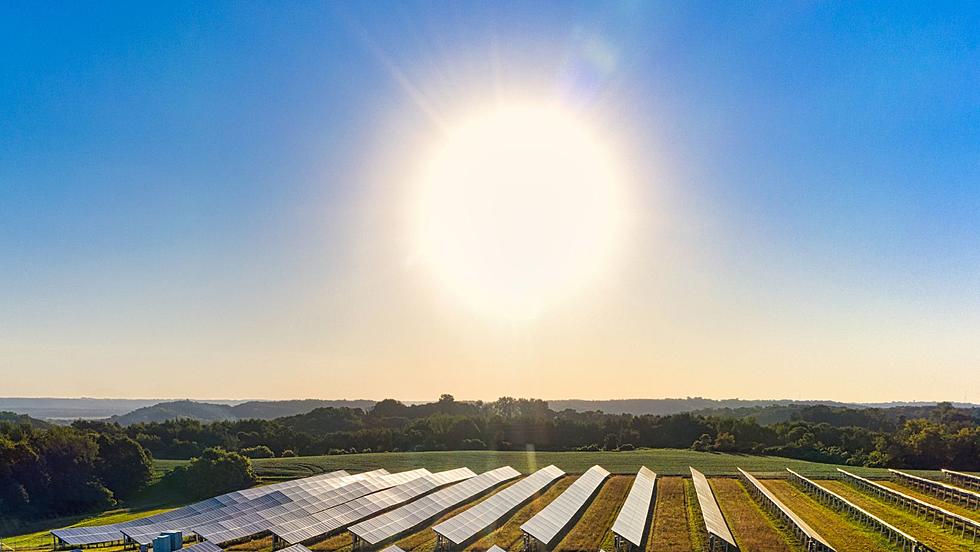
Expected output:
(626, 447)
(215, 472)
(288, 453)
(260, 451)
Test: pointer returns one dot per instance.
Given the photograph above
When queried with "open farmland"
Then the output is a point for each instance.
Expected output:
(670, 531)
(508, 535)
(593, 529)
(662, 461)
(753, 529)
(910, 522)
(843, 534)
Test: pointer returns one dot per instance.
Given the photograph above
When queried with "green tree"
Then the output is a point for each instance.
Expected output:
(123, 466)
(215, 472)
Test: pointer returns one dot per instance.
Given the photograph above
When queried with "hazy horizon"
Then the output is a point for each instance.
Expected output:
(529, 199)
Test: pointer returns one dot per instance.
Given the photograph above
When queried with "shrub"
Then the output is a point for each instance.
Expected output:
(288, 453)
(260, 451)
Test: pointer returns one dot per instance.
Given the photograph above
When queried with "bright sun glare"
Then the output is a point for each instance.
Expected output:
(519, 207)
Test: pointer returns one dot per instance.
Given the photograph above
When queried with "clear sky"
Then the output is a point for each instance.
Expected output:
(208, 199)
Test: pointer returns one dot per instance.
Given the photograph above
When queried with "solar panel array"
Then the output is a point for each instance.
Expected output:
(811, 540)
(942, 490)
(714, 521)
(835, 500)
(962, 524)
(631, 522)
(260, 521)
(302, 492)
(100, 534)
(548, 524)
(966, 479)
(393, 548)
(405, 518)
(328, 521)
(468, 524)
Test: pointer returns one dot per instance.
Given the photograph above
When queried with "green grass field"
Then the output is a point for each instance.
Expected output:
(662, 461)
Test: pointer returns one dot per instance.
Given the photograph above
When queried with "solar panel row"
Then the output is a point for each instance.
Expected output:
(548, 524)
(965, 526)
(262, 521)
(405, 518)
(100, 534)
(966, 497)
(304, 491)
(631, 522)
(719, 535)
(967, 480)
(324, 523)
(830, 498)
(465, 526)
(811, 540)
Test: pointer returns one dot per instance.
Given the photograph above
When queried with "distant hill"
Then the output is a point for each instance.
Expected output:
(212, 412)
(664, 407)
(22, 419)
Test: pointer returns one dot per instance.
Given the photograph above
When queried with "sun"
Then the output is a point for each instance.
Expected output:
(518, 208)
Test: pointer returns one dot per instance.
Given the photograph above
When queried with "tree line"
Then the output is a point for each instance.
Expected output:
(914, 437)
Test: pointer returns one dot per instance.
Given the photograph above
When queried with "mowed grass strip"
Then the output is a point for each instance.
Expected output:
(933, 499)
(929, 533)
(341, 542)
(752, 528)
(254, 545)
(669, 531)
(508, 535)
(695, 520)
(424, 540)
(593, 529)
(842, 533)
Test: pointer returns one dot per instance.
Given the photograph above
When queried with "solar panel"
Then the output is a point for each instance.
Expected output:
(324, 523)
(631, 522)
(303, 505)
(965, 479)
(811, 540)
(170, 520)
(553, 519)
(942, 490)
(393, 548)
(202, 547)
(468, 524)
(714, 522)
(405, 518)
(295, 548)
(496, 548)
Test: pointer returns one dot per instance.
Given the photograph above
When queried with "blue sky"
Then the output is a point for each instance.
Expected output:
(212, 189)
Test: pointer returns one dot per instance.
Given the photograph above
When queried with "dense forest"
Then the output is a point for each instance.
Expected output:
(49, 470)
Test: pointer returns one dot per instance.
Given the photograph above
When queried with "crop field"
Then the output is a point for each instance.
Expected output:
(843, 534)
(594, 529)
(508, 535)
(752, 527)
(669, 531)
(662, 461)
(933, 499)
(929, 533)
